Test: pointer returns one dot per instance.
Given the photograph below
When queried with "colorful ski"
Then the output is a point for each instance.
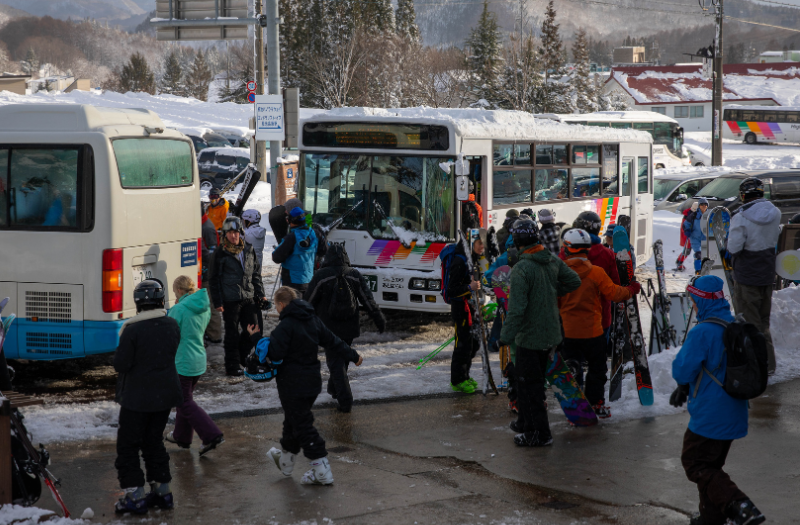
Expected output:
(567, 392)
(662, 332)
(619, 338)
(478, 327)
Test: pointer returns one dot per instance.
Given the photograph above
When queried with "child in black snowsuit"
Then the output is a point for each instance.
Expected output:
(147, 389)
(295, 343)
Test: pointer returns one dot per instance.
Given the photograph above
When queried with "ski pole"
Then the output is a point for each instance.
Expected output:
(425, 360)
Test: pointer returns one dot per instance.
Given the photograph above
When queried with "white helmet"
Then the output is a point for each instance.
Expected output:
(252, 216)
(576, 240)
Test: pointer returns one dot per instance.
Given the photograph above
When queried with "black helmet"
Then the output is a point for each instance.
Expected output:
(795, 219)
(525, 232)
(589, 221)
(232, 223)
(149, 292)
(752, 187)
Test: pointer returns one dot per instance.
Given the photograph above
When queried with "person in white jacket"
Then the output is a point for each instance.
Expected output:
(751, 244)
(254, 234)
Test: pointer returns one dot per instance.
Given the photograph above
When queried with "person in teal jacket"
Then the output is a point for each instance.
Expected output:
(296, 252)
(192, 313)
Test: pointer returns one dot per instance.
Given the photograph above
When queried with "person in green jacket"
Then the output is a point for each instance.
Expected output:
(533, 325)
(192, 313)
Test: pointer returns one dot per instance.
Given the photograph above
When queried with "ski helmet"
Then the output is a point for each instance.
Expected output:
(588, 221)
(525, 232)
(214, 194)
(251, 216)
(232, 223)
(752, 187)
(257, 371)
(149, 292)
(795, 219)
(576, 241)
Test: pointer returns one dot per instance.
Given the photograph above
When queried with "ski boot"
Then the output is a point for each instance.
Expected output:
(319, 474)
(516, 426)
(466, 387)
(602, 411)
(512, 406)
(473, 382)
(214, 443)
(134, 501)
(283, 460)
(679, 268)
(160, 496)
(169, 438)
(533, 439)
(744, 512)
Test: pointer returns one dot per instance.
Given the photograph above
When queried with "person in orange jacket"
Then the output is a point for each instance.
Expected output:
(582, 314)
(218, 209)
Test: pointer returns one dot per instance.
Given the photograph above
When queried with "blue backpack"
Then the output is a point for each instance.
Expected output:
(446, 256)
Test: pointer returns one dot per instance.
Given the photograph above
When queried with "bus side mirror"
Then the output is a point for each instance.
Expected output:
(681, 197)
(462, 188)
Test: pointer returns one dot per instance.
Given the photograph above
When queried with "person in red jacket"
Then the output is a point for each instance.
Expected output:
(687, 249)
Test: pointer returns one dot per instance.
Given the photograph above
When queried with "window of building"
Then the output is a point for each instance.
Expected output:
(681, 111)
(659, 109)
(696, 112)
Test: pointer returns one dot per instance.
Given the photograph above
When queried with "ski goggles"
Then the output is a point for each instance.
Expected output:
(702, 294)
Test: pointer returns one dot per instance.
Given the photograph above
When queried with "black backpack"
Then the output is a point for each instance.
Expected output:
(343, 305)
(746, 370)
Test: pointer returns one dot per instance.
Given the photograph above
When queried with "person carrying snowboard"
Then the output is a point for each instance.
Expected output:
(692, 227)
(581, 314)
(335, 292)
(296, 252)
(295, 343)
(533, 325)
(716, 418)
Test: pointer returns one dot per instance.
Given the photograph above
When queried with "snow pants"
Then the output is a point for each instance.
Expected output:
(298, 427)
(530, 368)
(593, 350)
(238, 344)
(338, 382)
(697, 247)
(214, 328)
(466, 346)
(702, 459)
(190, 417)
(141, 431)
(755, 304)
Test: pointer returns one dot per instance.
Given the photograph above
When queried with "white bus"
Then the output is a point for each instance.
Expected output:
(668, 151)
(92, 201)
(753, 124)
(354, 159)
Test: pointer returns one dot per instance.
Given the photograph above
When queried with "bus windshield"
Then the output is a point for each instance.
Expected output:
(668, 134)
(390, 196)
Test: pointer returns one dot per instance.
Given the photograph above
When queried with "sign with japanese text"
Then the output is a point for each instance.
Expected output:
(270, 123)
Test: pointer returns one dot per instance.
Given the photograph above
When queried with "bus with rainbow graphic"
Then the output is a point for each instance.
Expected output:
(754, 124)
(384, 181)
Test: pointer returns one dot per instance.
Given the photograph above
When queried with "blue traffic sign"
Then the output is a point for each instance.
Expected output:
(251, 97)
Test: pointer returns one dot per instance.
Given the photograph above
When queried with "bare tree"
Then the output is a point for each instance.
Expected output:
(440, 78)
(523, 82)
(331, 77)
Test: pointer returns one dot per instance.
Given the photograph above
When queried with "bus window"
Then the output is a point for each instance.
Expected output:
(522, 154)
(592, 154)
(643, 125)
(511, 187)
(333, 184)
(750, 115)
(627, 168)
(3, 186)
(579, 154)
(792, 117)
(599, 124)
(551, 184)
(610, 171)
(730, 114)
(621, 125)
(544, 155)
(770, 116)
(153, 163)
(560, 155)
(644, 174)
(502, 154)
(585, 182)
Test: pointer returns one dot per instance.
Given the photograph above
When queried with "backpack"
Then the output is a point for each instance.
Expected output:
(470, 218)
(343, 305)
(746, 370)
(446, 256)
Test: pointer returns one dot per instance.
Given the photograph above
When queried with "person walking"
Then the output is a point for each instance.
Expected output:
(716, 418)
(754, 233)
(191, 311)
(336, 291)
(693, 229)
(147, 390)
(237, 292)
(254, 233)
(218, 209)
(533, 325)
(686, 246)
(504, 233)
(210, 239)
(296, 252)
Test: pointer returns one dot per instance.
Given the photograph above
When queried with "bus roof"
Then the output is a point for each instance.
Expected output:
(72, 117)
(763, 108)
(485, 124)
(609, 116)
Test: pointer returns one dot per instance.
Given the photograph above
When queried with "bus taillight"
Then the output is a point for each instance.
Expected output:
(112, 280)
(199, 263)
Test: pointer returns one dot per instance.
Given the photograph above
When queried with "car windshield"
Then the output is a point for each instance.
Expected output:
(216, 141)
(721, 188)
(226, 160)
(663, 187)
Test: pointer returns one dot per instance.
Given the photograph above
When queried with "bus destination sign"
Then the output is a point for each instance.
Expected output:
(375, 136)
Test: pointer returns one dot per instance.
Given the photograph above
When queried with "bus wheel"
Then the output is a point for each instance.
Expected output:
(750, 138)
(699, 164)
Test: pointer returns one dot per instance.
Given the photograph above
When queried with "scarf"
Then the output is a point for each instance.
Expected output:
(233, 249)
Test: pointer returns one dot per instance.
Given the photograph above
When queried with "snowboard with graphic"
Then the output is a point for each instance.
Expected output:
(568, 393)
(720, 223)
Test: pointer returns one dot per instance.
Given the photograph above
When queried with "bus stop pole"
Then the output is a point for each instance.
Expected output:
(274, 72)
(716, 111)
(261, 146)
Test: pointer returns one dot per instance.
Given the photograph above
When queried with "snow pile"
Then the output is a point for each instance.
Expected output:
(666, 226)
(19, 515)
(784, 323)
(740, 156)
(693, 170)
(784, 91)
(629, 407)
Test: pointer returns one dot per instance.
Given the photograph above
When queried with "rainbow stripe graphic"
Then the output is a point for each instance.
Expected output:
(388, 251)
(607, 210)
(765, 129)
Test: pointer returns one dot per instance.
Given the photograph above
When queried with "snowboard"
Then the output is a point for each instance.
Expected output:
(720, 222)
(278, 223)
(661, 332)
(251, 179)
(501, 280)
(478, 327)
(567, 392)
(644, 384)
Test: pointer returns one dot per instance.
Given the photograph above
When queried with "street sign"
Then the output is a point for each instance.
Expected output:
(251, 97)
(251, 85)
(270, 124)
(181, 20)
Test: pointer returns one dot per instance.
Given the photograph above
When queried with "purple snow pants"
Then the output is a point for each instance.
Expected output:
(191, 417)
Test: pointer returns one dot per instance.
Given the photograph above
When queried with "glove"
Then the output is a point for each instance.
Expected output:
(265, 304)
(634, 288)
(380, 322)
(679, 396)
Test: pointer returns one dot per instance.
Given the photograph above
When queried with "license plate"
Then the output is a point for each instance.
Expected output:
(142, 272)
(372, 282)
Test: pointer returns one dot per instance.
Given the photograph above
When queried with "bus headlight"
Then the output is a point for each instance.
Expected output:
(435, 284)
(417, 284)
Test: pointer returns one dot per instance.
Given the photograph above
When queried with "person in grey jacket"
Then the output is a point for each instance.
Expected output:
(254, 233)
(751, 244)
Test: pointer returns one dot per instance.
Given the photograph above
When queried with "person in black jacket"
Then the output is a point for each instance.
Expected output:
(210, 243)
(294, 347)
(147, 390)
(335, 292)
(237, 291)
(460, 286)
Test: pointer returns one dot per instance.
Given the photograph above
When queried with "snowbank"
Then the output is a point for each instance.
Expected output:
(19, 515)
(698, 170)
(739, 156)
(784, 324)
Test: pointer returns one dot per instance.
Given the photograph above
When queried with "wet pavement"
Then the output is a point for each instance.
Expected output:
(451, 460)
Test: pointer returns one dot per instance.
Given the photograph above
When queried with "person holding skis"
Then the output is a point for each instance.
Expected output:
(335, 292)
(147, 390)
(218, 209)
(254, 233)
(716, 418)
(754, 232)
(694, 230)
(210, 238)
(295, 343)
(504, 233)
(533, 325)
(296, 252)
(582, 313)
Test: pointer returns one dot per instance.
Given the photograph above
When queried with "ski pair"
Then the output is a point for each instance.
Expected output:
(478, 327)
(661, 332)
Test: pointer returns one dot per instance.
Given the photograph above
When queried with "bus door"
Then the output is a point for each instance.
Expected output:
(644, 205)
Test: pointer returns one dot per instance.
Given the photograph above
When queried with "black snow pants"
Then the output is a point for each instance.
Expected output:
(466, 345)
(238, 344)
(298, 427)
(141, 431)
(529, 369)
(592, 350)
(338, 382)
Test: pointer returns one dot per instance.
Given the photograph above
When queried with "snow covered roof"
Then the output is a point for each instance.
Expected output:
(72, 117)
(771, 54)
(776, 82)
(486, 124)
(235, 152)
(608, 116)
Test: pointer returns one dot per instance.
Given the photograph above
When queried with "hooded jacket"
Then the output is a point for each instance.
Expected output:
(234, 280)
(217, 214)
(322, 287)
(460, 275)
(296, 253)
(254, 236)
(192, 314)
(714, 414)
(603, 257)
(538, 279)
(581, 310)
(693, 228)
(753, 235)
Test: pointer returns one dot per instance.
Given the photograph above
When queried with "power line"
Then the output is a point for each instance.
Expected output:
(609, 4)
(762, 24)
(795, 6)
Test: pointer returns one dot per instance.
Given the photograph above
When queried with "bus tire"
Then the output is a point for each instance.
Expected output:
(751, 138)
(699, 164)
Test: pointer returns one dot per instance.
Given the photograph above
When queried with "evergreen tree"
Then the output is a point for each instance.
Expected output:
(199, 78)
(583, 89)
(522, 83)
(485, 59)
(555, 96)
(406, 20)
(137, 76)
(31, 63)
(237, 92)
(172, 81)
(613, 101)
(384, 21)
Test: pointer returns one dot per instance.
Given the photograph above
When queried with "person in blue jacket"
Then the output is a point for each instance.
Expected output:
(694, 232)
(296, 252)
(716, 418)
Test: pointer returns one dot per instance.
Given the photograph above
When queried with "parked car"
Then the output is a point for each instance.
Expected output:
(219, 165)
(782, 187)
(671, 190)
(208, 139)
(235, 137)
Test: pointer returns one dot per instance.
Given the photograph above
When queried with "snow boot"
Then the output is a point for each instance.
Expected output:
(744, 512)
(319, 474)
(533, 439)
(465, 386)
(516, 426)
(602, 410)
(133, 501)
(512, 406)
(169, 438)
(214, 443)
(283, 460)
(160, 496)
(473, 382)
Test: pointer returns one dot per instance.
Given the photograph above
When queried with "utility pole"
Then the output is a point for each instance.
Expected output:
(274, 71)
(261, 146)
(716, 111)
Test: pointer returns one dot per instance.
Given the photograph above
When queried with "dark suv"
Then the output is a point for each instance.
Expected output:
(218, 165)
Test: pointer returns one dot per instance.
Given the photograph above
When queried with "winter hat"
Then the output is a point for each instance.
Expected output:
(512, 213)
(297, 215)
(707, 287)
(695, 204)
(702, 200)
(292, 204)
(546, 215)
(709, 297)
(610, 230)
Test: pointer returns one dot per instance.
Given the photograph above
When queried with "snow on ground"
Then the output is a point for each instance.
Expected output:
(741, 156)
(19, 515)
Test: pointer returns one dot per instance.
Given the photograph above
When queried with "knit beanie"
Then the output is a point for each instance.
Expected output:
(512, 213)
(546, 216)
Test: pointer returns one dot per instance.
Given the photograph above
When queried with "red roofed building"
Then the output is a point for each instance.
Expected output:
(682, 93)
